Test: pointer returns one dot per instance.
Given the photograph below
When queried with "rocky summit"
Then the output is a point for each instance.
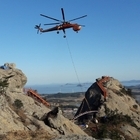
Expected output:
(117, 113)
(25, 117)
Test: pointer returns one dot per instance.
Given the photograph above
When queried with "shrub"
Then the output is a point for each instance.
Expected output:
(115, 135)
(126, 91)
(103, 132)
(3, 85)
(129, 92)
(18, 103)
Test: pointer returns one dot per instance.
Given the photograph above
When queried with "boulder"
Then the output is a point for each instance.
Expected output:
(119, 105)
(56, 120)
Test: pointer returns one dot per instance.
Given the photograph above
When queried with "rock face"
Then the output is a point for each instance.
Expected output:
(55, 120)
(21, 113)
(15, 77)
(119, 105)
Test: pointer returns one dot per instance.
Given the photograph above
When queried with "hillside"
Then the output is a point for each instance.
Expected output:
(24, 117)
(21, 116)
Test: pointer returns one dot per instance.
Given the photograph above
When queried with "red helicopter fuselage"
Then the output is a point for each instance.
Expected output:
(63, 26)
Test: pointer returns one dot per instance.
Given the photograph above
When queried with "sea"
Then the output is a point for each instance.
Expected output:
(73, 88)
(60, 88)
(70, 88)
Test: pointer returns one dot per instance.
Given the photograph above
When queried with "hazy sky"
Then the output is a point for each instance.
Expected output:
(109, 44)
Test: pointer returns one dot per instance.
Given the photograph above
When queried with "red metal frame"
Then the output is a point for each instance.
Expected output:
(36, 96)
(100, 84)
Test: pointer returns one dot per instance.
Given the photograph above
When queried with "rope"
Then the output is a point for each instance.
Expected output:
(81, 107)
(73, 64)
(77, 77)
(76, 73)
(87, 103)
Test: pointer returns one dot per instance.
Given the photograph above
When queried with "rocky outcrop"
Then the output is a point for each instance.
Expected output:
(19, 112)
(55, 120)
(16, 78)
(22, 117)
(119, 108)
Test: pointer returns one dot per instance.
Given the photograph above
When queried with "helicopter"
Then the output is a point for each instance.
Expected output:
(60, 24)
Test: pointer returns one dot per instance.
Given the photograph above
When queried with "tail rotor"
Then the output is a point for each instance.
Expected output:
(38, 27)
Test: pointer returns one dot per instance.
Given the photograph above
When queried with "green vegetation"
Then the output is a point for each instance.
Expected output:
(123, 91)
(104, 131)
(3, 86)
(119, 93)
(115, 118)
(126, 91)
(110, 128)
(18, 103)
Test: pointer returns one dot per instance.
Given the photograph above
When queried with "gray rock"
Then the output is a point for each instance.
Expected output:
(28, 116)
(55, 120)
(117, 102)
(16, 78)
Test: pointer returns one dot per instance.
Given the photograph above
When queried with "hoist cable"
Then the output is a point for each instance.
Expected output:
(73, 64)
(77, 74)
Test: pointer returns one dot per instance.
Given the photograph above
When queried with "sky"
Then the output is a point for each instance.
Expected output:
(109, 44)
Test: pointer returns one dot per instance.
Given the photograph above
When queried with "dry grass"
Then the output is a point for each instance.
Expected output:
(27, 135)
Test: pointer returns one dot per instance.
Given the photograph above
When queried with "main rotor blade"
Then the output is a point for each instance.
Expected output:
(63, 14)
(51, 23)
(77, 18)
(50, 17)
